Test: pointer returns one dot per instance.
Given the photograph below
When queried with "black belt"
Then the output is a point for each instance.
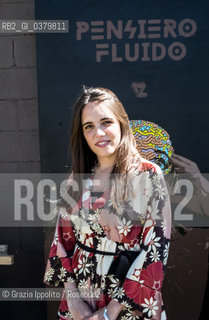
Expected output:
(89, 249)
(120, 265)
(108, 253)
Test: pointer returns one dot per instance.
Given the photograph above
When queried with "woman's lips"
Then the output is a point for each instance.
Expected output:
(102, 144)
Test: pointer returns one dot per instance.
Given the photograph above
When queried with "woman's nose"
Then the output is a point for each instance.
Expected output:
(99, 131)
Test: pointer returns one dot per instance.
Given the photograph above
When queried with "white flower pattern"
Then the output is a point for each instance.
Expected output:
(48, 275)
(125, 227)
(150, 306)
(155, 256)
(154, 243)
(83, 265)
(161, 192)
(119, 293)
(165, 253)
(63, 272)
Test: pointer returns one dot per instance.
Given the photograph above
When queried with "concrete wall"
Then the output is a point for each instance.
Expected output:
(19, 132)
(19, 152)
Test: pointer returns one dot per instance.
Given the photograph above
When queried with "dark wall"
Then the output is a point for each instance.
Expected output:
(26, 244)
(176, 85)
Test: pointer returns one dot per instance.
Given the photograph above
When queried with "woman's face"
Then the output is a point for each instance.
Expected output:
(101, 130)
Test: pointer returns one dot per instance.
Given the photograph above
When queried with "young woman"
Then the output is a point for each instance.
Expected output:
(111, 245)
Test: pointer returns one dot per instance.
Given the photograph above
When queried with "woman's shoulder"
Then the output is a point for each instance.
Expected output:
(144, 165)
(70, 179)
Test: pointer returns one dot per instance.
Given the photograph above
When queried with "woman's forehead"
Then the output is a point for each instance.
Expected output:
(96, 110)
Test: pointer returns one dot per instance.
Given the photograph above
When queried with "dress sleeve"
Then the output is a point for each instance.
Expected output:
(141, 288)
(59, 265)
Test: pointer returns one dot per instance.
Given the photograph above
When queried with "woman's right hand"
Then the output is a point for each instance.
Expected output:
(76, 305)
(78, 308)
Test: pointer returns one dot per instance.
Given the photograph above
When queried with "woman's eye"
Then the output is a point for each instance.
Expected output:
(107, 122)
(88, 127)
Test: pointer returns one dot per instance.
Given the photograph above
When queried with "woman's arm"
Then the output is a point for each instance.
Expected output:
(113, 310)
(77, 307)
(141, 289)
(59, 266)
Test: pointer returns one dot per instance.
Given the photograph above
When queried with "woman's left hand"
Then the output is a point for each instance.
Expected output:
(110, 223)
(97, 315)
(113, 310)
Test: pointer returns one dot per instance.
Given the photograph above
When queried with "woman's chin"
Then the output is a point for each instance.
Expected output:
(104, 154)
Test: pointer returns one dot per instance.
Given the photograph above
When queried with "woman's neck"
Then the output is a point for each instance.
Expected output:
(105, 165)
(104, 168)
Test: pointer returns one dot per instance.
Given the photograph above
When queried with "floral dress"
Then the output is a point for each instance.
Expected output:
(143, 227)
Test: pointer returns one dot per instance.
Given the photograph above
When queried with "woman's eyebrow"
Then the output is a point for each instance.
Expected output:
(88, 122)
(106, 119)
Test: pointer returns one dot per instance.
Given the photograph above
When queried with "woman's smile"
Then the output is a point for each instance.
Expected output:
(102, 143)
